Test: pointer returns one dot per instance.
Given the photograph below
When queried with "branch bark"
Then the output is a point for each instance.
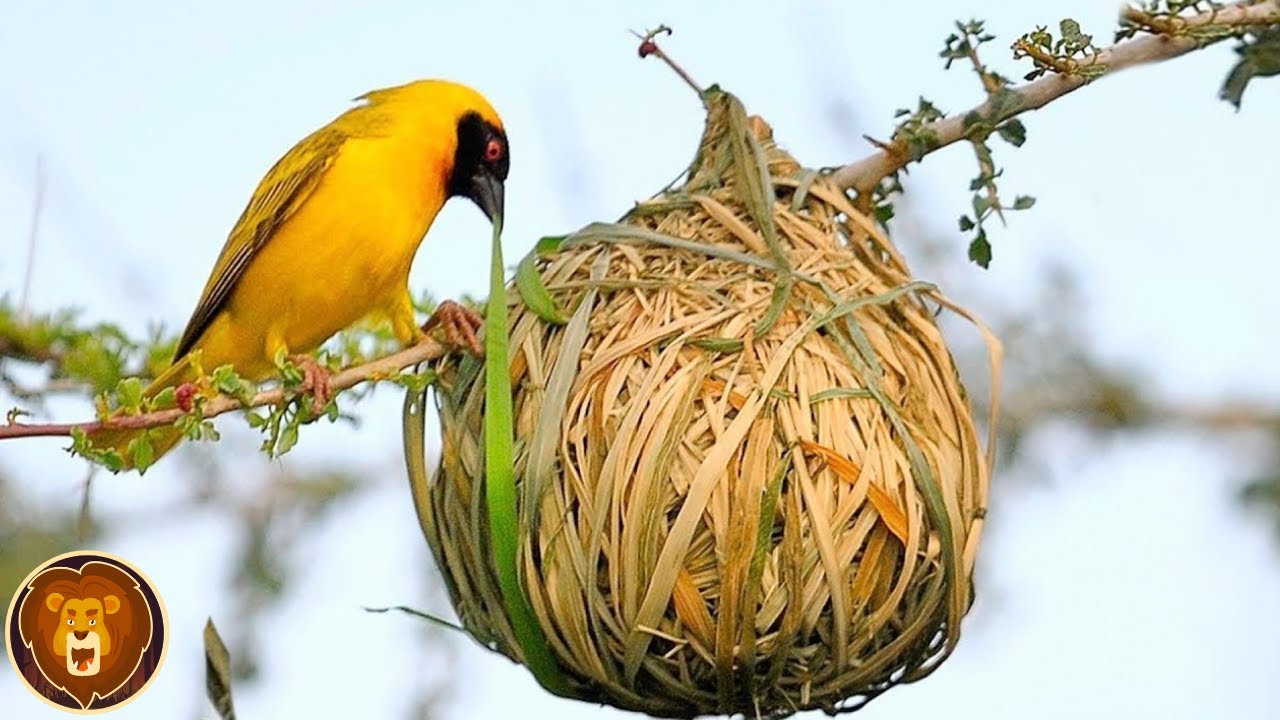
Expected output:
(864, 175)
(424, 351)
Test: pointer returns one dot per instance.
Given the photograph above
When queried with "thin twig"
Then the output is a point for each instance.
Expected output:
(32, 237)
(865, 174)
(374, 370)
(649, 47)
(84, 520)
(1099, 411)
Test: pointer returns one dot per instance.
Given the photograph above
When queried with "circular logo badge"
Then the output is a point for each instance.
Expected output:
(86, 632)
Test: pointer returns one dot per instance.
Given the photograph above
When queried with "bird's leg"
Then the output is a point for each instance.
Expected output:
(459, 325)
(315, 381)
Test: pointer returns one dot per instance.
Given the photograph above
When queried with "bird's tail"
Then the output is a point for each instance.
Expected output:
(162, 439)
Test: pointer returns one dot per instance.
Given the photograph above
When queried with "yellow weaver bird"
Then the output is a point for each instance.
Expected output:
(331, 232)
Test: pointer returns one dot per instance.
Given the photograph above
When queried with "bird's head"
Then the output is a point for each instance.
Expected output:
(480, 162)
(464, 135)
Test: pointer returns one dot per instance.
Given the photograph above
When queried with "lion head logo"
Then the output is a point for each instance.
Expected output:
(86, 632)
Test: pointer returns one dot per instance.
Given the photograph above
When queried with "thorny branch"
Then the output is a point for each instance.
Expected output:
(1173, 38)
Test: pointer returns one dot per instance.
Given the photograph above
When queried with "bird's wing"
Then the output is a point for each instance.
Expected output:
(285, 188)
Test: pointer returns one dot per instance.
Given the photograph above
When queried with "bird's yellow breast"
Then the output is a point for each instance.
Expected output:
(346, 252)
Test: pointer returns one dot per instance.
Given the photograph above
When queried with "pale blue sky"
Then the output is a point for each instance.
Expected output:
(1127, 585)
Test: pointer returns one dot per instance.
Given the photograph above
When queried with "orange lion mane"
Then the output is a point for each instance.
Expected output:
(130, 631)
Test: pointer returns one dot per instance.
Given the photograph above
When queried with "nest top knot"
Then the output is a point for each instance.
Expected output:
(749, 476)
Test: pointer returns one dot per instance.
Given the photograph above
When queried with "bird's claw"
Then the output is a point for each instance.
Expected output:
(459, 325)
(315, 381)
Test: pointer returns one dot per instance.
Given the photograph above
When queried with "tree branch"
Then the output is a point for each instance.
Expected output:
(426, 350)
(1102, 413)
(864, 175)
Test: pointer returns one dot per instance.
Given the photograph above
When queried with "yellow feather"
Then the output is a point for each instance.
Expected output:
(330, 234)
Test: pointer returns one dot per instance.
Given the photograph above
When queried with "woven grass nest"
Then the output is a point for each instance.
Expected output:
(749, 477)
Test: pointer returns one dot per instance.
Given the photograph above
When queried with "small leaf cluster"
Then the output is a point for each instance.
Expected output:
(1259, 54)
(994, 118)
(129, 398)
(963, 45)
(1062, 55)
(102, 361)
(281, 423)
(81, 446)
(78, 357)
(914, 132)
(1258, 49)
(913, 135)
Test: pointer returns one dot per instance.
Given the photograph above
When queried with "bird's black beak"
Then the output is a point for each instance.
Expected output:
(488, 192)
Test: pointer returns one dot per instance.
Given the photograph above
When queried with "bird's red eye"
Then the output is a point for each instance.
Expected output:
(493, 151)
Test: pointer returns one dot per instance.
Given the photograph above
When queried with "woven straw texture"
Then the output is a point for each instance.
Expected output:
(749, 474)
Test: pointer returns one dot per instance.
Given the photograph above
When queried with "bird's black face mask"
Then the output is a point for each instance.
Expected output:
(480, 165)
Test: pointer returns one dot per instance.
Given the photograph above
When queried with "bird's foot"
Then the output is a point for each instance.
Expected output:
(459, 325)
(315, 381)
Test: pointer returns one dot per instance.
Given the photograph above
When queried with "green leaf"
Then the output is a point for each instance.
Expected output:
(1073, 40)
(206, 431)
(82, 446)
(549, 245)
(921, 143)
(414, 382)
(534, 293)
(718, 344)
(1003, 103)
(165, 399)
(110, 459)
(777, 303)
(1013, 132)
(500, 482)
(981, 204)
(840, 392)
(225, 380)
(1023, 202)
(1260, 58)
(966, 224)
(129, 392)
(765, 524)
(1091, 71)
(980, 250)
(141, 451)
(192, 426)
(288, 438)
(217, 672)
